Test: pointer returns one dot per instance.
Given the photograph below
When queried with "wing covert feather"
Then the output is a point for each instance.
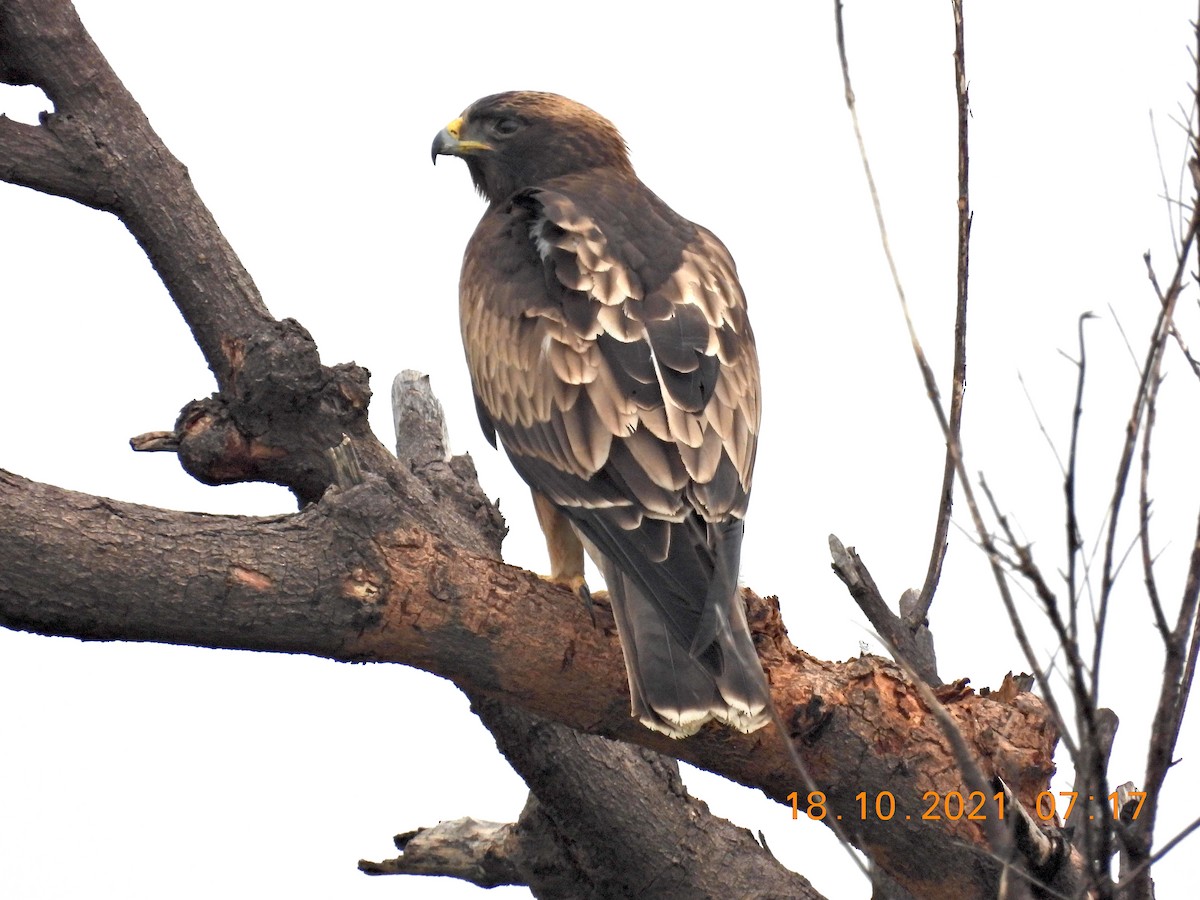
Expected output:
(617, 366)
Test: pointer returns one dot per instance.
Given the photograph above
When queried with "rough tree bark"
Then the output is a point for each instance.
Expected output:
(405, 567)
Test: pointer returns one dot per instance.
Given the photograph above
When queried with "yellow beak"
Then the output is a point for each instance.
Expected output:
(448, 142)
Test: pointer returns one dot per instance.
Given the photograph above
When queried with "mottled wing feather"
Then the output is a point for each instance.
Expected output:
(616, 364)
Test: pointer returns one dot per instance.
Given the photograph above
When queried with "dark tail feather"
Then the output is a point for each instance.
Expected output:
(676, 691)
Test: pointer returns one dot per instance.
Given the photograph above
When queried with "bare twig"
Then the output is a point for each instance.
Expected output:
(1162, 174)
(1172, 329)
(1146, 388)
(1040, 424)
(1160, 619)
(1133, 358)
(1178, 675)
(1183, 640)
(938, 554)
(1074, 540)
(951, 426)
(908, 640)
(994, 555)
(1158, 854)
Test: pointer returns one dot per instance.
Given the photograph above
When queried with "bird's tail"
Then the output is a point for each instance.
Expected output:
(675, 689)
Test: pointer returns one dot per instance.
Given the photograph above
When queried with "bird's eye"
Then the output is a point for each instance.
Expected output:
(506, 126)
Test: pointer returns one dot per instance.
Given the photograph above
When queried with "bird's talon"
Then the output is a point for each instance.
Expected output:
(578, 586)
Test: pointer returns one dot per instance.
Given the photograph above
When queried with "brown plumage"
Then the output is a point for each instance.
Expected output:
(610, 353)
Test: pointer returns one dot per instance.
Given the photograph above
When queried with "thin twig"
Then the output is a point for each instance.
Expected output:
(1159, 854)
(1018, 627)
(1040, 424)
(1183, 643)
(1125, 337)
(1074, 540)
(1162, 174)
(1178, 675)
(938, 553)
(931, 388)
(1132, 430)
(1173, 329)
(1160, 619)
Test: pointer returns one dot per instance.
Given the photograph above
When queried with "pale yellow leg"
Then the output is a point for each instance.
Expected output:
(563, 545)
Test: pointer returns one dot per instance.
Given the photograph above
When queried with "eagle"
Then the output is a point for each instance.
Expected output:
(611, 355)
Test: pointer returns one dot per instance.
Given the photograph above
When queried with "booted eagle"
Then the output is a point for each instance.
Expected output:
(610, 353)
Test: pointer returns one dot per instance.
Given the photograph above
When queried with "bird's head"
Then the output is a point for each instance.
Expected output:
(521, 139)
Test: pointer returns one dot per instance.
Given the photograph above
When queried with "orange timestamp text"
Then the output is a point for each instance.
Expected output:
(975, 806)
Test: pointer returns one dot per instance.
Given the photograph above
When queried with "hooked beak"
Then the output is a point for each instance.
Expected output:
(449, 142)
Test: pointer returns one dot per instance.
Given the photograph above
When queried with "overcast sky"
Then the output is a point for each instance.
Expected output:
(142, 771)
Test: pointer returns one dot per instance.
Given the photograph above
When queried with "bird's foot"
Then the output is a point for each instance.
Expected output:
(578, 586)
(575, 583)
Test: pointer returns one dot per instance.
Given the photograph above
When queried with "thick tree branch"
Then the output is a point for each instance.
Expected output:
(98, 149)
(353, 578)
(32, 156)
(623, 814)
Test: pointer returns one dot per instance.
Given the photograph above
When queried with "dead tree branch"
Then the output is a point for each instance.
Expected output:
(907, 637)
(466, 849)
(352, 578)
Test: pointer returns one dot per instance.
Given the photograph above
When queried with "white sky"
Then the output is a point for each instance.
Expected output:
(147, 771)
